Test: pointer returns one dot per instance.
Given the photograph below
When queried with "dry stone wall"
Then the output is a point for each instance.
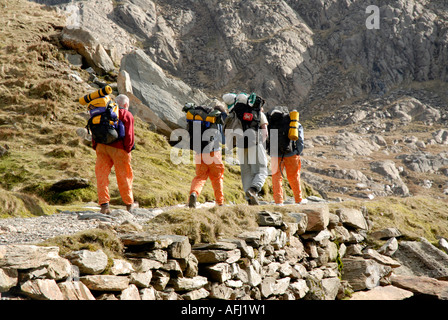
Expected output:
(307, 254)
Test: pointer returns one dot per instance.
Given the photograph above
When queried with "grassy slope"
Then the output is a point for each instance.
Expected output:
(39, 116)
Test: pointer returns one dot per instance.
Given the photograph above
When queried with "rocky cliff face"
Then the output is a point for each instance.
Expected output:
(292, 53)
(379, 74)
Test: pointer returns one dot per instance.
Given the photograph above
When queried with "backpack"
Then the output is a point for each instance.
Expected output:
(104, 122)
(244, 115)
(289, 132)
(199, 120)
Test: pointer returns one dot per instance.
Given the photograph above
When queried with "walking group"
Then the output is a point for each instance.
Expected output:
(238, 125)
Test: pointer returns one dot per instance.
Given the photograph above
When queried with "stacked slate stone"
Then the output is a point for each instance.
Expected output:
(298, 255)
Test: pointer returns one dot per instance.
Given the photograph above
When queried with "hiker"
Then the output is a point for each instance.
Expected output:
(208, 155)
(117, 154)
(285, 152)
(248, 109)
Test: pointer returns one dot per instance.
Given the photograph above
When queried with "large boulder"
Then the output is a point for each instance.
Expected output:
(165, 96)
(421, 258)
(83, 42)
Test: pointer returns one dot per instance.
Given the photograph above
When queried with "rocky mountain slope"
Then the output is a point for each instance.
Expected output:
(312, 54)
(373, 101)
(40, 117)
(375, 132)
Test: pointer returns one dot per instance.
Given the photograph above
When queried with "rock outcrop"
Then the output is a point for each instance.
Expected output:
(165, 96)
(300, 53)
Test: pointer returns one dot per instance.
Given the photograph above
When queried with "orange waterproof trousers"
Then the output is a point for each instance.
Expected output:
(209, 165)
(293, 166)
(106, 157)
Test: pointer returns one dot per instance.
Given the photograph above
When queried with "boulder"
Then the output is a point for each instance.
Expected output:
(83, 42)
(382, 293)
(105, 282)
(318, 216)
(389, 248)
(42, 289)
(130, 293)
(270, 219)
(121, 267)
(421, 285)
(70, 184)
(385, 234)
(141, 279)
(148, 242)
(322, 289)
(363, 273)
(219, 272)
(163, 95)
(75, 290)
(138, 109)
(26, 256)
(160, 279)
(422, 258)
(441, 136)
(196, 294)
(8, 279)
(214, 256)
(352, 218)
(89, 262)
(424, 162)
(188, 284)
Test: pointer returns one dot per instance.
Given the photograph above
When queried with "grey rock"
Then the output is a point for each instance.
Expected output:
(86, 45)
(105, 282)
(421, 285)
(272, 219)
(382, 293)
(389, 248)
(26, 256)
(8, 279)
(318, 216)
(42, 289)
(363, 274)
(214, 256)
(75, 290)
(219, 272)
(299, 288)
(89, 262)
(301, 220)
(70, 184)
(386, 234)
(130, 293)
(352, 218)
(188, 284)
(163, 95)
(422, 258)
(196, 294)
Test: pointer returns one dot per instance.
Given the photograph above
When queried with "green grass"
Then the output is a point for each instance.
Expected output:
(414, 216)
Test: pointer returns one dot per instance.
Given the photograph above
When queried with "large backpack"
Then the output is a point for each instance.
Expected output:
(104, 123)
(200, 120)
(244, 115)
(283, 141)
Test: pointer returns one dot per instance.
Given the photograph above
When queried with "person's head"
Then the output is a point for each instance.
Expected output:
(122, 101)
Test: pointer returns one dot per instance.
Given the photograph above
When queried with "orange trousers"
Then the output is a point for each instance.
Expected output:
(209, 165)
(293, 166)
(106, 157)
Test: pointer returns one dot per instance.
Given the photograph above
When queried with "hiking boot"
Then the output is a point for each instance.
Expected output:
(131, 206)
(304, 201)
(251, 194)
(279, 204)
(105, 208)
(192, 200)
